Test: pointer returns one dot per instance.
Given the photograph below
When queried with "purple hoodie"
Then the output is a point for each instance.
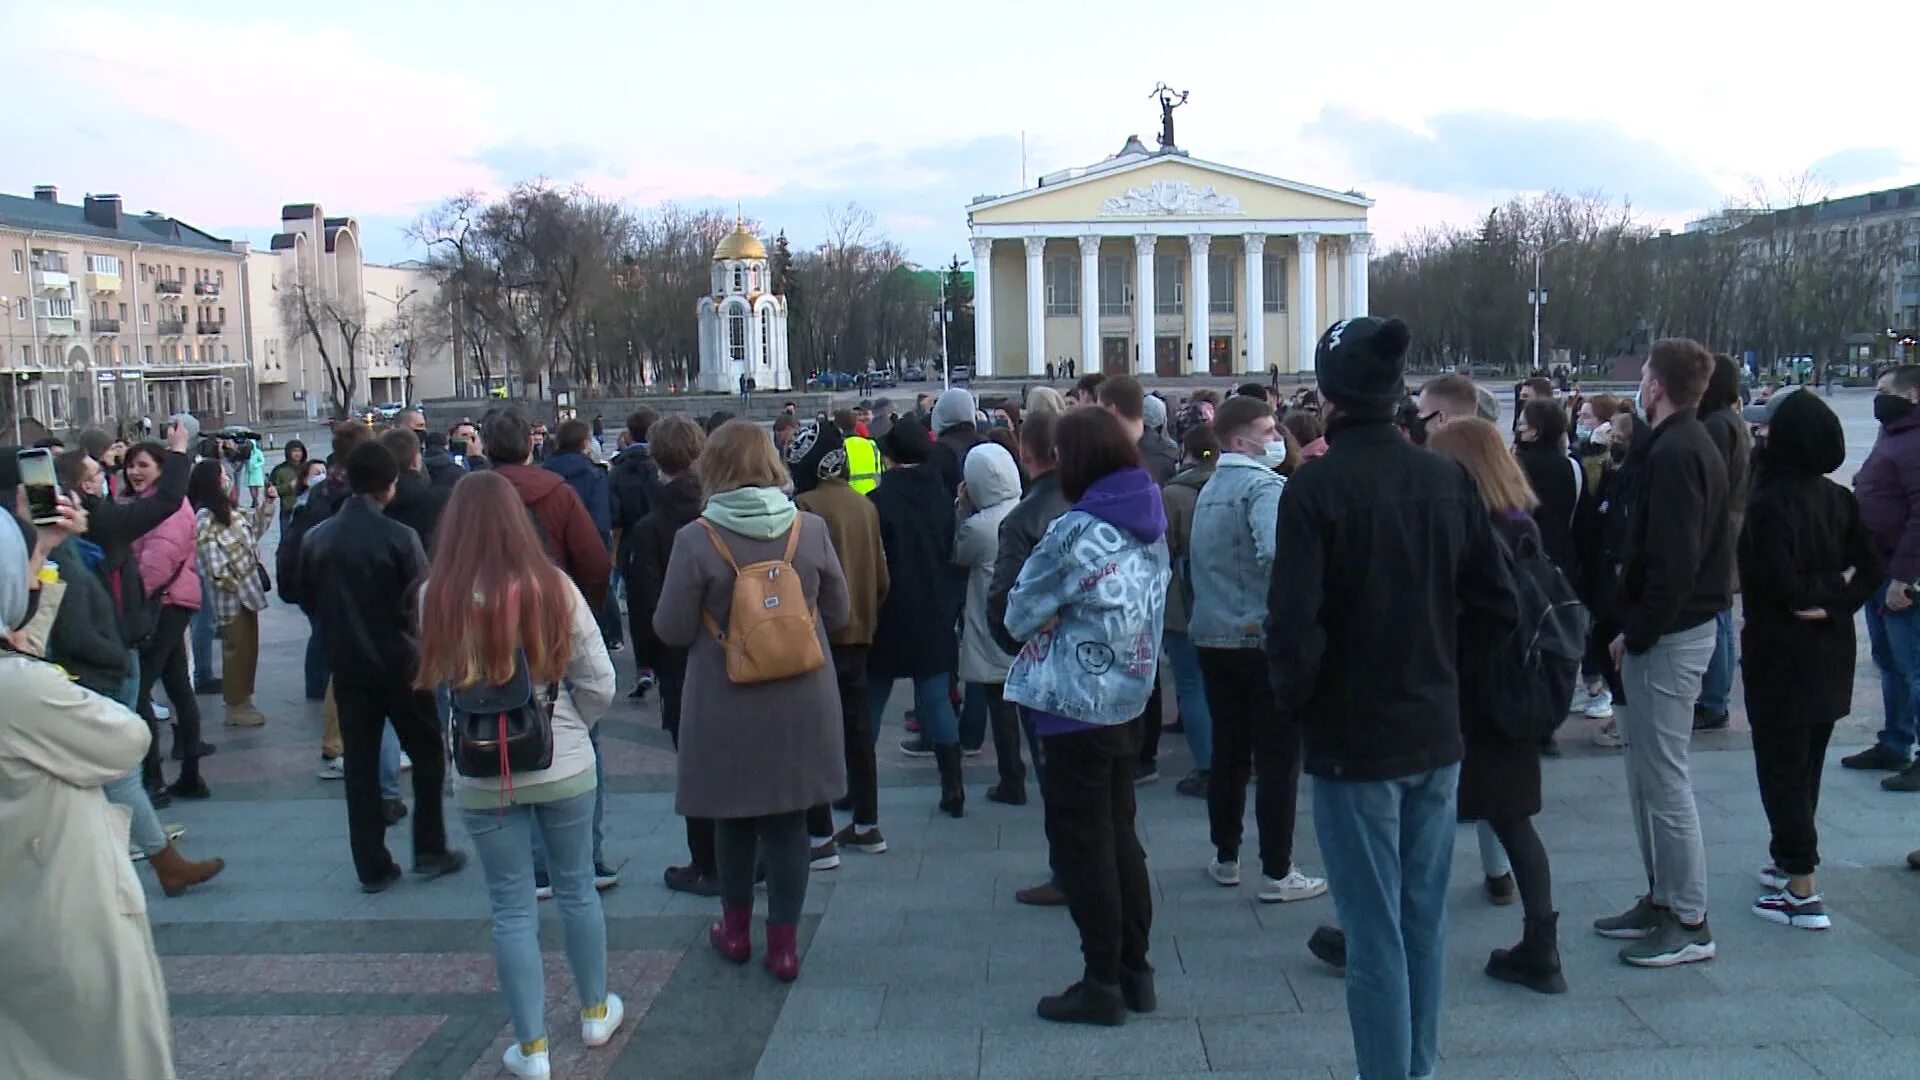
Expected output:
(1129, 499)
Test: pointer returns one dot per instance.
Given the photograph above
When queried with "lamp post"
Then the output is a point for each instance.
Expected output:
(946, 370)
(399, 301)
(1538, 296)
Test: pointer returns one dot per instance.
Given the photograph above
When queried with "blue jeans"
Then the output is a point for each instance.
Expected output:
(1716, 688)
(504, 839)
(200, 636)
(1191, 694)
(1388, 845)
(1895, 639)
(389, 763)
(316, 661)
(937, 721)
(599, 805)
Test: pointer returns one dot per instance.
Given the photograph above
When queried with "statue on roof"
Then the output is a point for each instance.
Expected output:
(1170, 99)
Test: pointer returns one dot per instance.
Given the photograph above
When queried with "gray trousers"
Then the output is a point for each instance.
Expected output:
(1662, 684)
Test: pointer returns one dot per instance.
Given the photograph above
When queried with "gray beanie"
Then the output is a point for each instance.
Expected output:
(1154, 413)
(954, 409)
(190, 422)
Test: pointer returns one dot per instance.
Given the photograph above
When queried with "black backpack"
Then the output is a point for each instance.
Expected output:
(1530, 675)
(497, 731)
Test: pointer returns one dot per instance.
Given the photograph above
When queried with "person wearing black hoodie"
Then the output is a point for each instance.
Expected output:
(416, 503)
(1382, 533)
(634, 484)
(676, 442)
(1807, 563)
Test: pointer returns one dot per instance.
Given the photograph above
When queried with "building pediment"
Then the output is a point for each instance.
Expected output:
(1167, 187)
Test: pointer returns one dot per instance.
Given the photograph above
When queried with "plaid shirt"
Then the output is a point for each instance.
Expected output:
(229, 557)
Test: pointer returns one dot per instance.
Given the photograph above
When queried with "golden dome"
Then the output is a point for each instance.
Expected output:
(740, 244)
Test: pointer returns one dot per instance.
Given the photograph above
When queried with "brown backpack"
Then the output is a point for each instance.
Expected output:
(770, 627)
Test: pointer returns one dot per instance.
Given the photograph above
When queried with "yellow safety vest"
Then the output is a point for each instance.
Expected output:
(863, 464)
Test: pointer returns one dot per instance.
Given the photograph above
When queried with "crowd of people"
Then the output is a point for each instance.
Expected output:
(1025, 566)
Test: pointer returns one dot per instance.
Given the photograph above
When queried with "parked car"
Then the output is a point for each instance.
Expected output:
(913, 373)
(960, 374)
(880, 379)
(389, 410)
(832, 380)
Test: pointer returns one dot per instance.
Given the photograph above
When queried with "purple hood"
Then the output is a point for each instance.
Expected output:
(1130, 499)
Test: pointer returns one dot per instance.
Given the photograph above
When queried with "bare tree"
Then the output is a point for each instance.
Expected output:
(334, 326)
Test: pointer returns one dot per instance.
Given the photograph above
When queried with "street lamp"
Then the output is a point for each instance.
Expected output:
(399, 301)
(946, 369)
(1538, 296)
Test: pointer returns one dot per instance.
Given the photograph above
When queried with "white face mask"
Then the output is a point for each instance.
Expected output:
(1276, 451)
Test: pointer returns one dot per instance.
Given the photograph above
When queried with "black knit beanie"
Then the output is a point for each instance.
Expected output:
(1361, 364)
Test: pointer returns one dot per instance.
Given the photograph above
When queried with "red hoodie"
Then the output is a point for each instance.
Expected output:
(570, 535)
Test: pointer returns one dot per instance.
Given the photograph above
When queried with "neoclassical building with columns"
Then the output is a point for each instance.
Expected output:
(1158, 263)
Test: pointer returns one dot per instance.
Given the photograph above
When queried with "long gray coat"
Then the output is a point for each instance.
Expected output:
(767, 748)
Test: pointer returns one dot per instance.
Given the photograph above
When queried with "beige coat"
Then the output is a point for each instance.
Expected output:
(81, 994)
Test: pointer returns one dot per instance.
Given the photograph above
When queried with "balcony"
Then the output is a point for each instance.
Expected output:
(206, 288)
(171, 327)
(56, 326)
(102, 283)
(51, 280)
(106, 326)
(207, 329)
(167, 288)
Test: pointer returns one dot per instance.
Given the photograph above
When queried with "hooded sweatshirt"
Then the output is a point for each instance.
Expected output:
(1101, 569)
(993, 489)
(565, 526)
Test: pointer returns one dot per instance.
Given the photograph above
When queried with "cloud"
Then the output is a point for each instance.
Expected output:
(1487, 154)
(521, 160)
(1858, 165)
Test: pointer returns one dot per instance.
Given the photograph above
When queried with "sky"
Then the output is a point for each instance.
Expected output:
(219, 113)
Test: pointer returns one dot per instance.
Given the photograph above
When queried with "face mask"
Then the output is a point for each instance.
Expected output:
(1891, 408)
(1276, 451)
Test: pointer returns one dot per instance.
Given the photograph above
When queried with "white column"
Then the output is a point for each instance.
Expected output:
(1253, 302)
(983, 307)
(1198, 246)
(1359, 250)
(1090, 304)
(1036, 305)
(1306, 309)
(1143, 304)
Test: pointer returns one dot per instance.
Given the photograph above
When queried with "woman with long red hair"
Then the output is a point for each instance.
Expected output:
(492, 597)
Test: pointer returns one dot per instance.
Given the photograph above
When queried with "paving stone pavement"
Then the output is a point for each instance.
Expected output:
(919, 964)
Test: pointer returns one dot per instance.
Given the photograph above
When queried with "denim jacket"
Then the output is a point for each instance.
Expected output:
(1231, 554)
(1104, 574)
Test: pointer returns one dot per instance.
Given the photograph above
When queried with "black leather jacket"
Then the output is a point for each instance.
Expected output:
(360, 569)
(1020, 531)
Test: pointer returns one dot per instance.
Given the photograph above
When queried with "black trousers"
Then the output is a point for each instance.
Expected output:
(1150, 726)
(366, 707)
(164, 659)
(863, 776)
(1248, 729)
(1097, 857)
(1003, 719)
(670, 668)
(1788, 761)
(777, 841)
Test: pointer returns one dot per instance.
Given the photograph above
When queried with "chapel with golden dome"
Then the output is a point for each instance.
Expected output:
(743, 323)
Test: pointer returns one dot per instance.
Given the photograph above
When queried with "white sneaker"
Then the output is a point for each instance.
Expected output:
(1608, 736)
(406, 763)
(160, 712)
(532, 1065)
(1295, 886)
(1771, 878)
(597, 1032)
(1582, 697)
(1600, 706)
(332, 768)
(1224, 873)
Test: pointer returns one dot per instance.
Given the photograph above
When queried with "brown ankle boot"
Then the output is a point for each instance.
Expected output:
(177, 873)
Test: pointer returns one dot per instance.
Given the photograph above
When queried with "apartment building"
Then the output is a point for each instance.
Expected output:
(107, 316)
(381, 315)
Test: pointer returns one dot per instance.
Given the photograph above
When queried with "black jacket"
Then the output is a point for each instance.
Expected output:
(1020, 533)
(85, 638)
(915, 636)
(649, 543)
(362, 569)
(1384, 561)
(1802, 534)
(1678, 569)
(323, 499)
(634, 483)
(417, 504)
(442, 471)
(1731, 436)
(1551, 474)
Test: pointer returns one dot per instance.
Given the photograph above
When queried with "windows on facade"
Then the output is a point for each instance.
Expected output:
(146, 356)
(739, 280)
(20, 309)
(766, 335)
(1116, 285)
(54, 307)
(737, 333)
(19, 261)
(1221, 286)
(126, 355)
(123, 313)
(1063, 286)
(1273, 284)
(104, 264)
(1169, 285)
